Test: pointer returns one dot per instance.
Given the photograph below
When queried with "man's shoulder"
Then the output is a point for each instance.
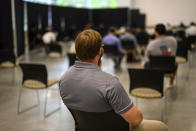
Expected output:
(98, 73)
(153, 42)
(170, 38)
(66, 74)
(190, 29)
(106, 36)
(106, 76)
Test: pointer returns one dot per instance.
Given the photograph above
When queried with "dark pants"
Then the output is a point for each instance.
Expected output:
(118, 59)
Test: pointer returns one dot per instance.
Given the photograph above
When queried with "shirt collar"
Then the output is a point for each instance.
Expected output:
(88, 65)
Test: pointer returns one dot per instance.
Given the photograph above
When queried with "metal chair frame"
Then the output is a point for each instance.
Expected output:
(46, 114)
(147, 78)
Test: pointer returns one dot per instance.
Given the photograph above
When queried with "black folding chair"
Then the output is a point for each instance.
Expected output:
(147, 84)
(191, 42)
(110, 50)
(182, 52)
(128, 45)
(98, 121)
(55, 50)
(35, 77)
(7, 58)
(142, 38)
(165, 63)
(72, 58)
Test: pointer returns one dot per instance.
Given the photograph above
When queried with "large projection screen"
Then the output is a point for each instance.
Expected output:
(91, 4)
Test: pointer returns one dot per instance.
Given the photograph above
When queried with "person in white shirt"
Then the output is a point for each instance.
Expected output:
(49, 37)
(191, 31)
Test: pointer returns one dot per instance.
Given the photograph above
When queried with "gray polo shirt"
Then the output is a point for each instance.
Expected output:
(85, 87)
(161, 45)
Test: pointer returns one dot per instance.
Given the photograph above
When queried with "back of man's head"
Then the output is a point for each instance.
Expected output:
(112, 29)
(160, 29)
(128, 30)
(88, 44)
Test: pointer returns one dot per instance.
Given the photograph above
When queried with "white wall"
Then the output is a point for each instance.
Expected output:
(128, 3)
(172, 11)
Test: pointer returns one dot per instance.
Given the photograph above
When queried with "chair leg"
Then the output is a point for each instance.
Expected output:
(14, 78)
(164, 110)
(19, 102)
(38, 100)
(136, 101)
(176, 78)
(45, 106)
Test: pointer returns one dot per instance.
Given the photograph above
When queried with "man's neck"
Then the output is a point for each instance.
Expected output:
(160, 36)
(90, 61)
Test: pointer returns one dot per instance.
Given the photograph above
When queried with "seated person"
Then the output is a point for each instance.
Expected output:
(191, 35)
(88, 88)
(85, 87)
(49, 37)
(128, 36)
(142, 38)
(162, 46)
(191, 31)
(112, 39)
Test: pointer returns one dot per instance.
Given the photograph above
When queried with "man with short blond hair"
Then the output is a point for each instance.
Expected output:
(85, 87)
(88, 44)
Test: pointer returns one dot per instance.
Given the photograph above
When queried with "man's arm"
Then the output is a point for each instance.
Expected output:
(122, 104)
(148, 48)
(133, 116)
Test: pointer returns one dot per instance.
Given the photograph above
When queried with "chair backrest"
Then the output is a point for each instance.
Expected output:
(192, 39)
(164, 63)
(182, 49)
(143, 38)
(55, 48)
(146, 78)
(99, 121)
(7, 55)
(34, 72)
(72, 58)
(110, 49)
(128, 44)
(181, 34)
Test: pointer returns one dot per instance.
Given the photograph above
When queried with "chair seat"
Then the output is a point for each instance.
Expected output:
(128, 51)
(145, 93)
(169, 75)
(180, 60)
(7, 64)
(55, 54)
(193, 46)
(37, 84)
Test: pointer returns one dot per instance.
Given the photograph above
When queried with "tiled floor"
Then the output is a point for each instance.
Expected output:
(181, 100)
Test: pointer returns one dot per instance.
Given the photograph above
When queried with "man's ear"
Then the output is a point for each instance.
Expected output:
(100, 51)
